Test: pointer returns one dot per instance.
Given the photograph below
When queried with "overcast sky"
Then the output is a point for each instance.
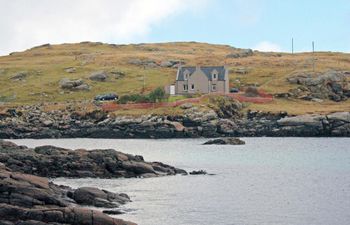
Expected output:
(265, 25)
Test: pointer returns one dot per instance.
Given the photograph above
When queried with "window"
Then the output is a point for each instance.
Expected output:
(186, 76)
(185, 87)
(215, 76)
(213, 87)
(192, 86)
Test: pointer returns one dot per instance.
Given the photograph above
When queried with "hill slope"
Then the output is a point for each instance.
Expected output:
(130, 67)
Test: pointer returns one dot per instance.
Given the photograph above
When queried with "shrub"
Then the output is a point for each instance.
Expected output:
(136, 98)
(251, 92)
(157, 95)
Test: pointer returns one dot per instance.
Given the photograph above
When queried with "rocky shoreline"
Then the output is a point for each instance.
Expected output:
(27, 198)
(51, 161)
(227, 120)
(31, 200)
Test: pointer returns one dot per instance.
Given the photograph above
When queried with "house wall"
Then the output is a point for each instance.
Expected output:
(220, 87)
(200, 81)
(179, 87)
(201, 84)
(227, 82)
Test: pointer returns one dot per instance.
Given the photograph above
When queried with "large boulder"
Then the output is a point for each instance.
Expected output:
(73, 85)
(98, 76)
(99, 198)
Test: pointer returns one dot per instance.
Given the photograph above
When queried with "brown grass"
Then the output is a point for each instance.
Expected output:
(45, 66)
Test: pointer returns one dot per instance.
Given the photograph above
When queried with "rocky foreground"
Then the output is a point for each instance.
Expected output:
(31, 200)
(225, 119)
(27, 199)
(50, 161)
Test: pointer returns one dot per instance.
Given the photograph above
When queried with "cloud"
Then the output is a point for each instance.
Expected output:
(266, 46)
(24, 24)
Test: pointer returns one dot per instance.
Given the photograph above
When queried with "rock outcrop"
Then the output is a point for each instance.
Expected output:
(98, 76)
(225, 118)
(74, 85)
(331, 85)
(50, 161)
(98, 198)
(282, 125)
(241, 54)
(70, 69)
(225, 141)
(32, 200)
(19, 76)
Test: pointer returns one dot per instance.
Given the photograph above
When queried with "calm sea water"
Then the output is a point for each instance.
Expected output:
(289, 181)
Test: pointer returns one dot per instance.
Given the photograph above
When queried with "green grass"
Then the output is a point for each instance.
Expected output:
(45, 66)
(176, 98)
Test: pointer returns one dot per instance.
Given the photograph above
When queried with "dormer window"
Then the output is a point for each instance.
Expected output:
(214, 75)
(186, 74)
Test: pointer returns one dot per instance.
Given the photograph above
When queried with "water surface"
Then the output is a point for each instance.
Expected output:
(289, 181)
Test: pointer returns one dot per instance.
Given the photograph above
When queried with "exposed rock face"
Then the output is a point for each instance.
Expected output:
(243, 53)
(226, 107)
(74, 85)
(225, 118)
(147, 63)
(50, 161)
(331, 85)
(28, 199)
(98, 76)
(310, 125)
(99, 198)
(70, 69)
(172, 63)
(153, 63)
(20, 75)
(225, 141)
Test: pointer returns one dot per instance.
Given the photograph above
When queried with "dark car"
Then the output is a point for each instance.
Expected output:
(234, 90)
(106, 97)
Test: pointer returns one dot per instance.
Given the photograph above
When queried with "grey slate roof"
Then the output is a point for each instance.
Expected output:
(207, 70)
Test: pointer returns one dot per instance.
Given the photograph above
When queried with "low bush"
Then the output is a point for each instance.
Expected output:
(156, 95)
(135, 98)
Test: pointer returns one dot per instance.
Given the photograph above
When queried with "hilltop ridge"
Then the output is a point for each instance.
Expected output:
(33, 76)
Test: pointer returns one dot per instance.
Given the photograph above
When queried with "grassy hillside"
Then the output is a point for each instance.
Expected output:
(45, 67)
